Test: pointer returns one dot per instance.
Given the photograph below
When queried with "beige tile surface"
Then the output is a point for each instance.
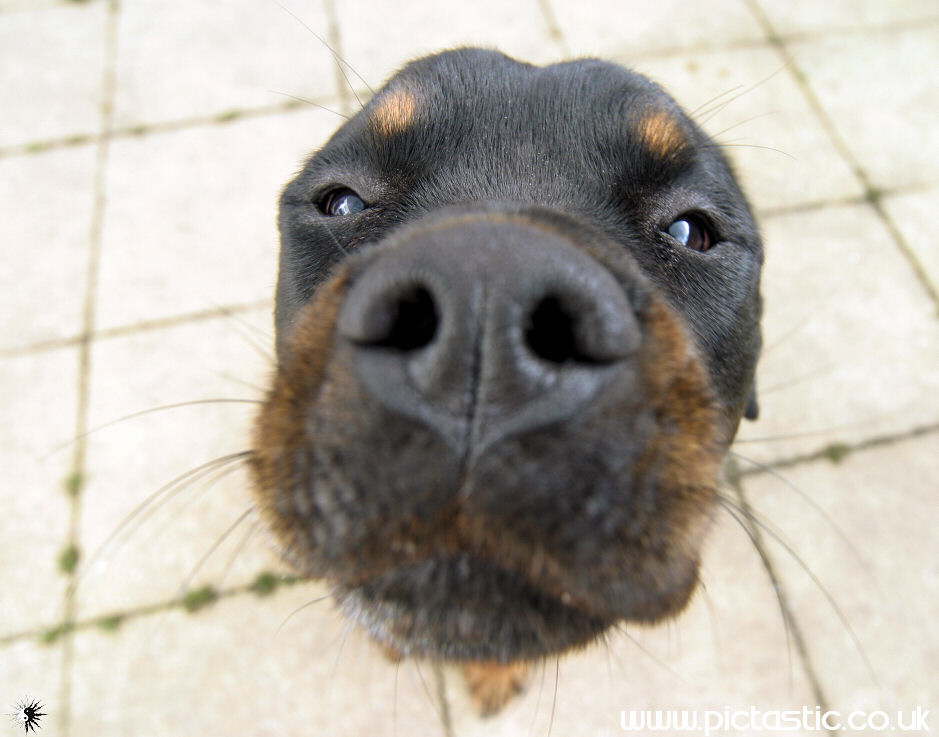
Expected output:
(612, 28)
(158, 551)
(847, 14)
(852, 340)
(50, 81)
(191, 221)
(45, 234)
(39, 407)
(380, 37)
(202, 58)
(227, 670)
(31, 671)
(887, 126)
(870, 542)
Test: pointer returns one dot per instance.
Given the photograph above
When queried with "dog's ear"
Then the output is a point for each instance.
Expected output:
(753, 407)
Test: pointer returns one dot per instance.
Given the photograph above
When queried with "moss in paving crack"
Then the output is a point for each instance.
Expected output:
(229, 116)
(265, 584)
(196, 599)
(73, 483)
(36, 147)
(52, 634)
(68, 559)
(110, 623)
(836, 452)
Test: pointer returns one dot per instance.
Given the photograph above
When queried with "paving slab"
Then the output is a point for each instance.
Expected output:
(378, 38)
(868, 536)
(29, 670)
(38, 414)
(851, 337)
(887, 126)
(228, 670)
(191, 216)
(837, 15)
(609, 27)
(45, 232)
(50, 87)
(203, 58)
(158, 553)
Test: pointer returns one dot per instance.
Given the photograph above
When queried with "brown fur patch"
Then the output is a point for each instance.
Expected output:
(661, 133)
(395, 112)
(279, 434)
(492, 685)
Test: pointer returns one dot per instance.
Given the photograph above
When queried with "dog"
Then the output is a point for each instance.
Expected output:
(517, 324)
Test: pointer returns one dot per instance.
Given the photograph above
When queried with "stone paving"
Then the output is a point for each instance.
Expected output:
(142, 146)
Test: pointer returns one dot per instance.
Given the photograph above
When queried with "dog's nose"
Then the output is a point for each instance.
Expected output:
(483, 328)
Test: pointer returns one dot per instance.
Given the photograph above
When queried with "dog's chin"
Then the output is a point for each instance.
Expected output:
(461, 608)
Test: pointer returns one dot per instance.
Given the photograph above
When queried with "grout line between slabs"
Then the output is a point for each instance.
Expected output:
(554, 28)
(873, 195)
(79, 458)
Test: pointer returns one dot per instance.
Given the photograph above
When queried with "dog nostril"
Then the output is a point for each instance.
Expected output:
(550, 332)
(413, 321)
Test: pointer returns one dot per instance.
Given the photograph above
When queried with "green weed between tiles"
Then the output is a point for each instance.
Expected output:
(111, 623)
(73, 483)
(52, 634)
(68, 559)
(229, 116)
(196, 599)
(265, 584)
(836, 452)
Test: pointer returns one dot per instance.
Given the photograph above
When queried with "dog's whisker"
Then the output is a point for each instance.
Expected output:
(737, 509)
(798, 380)
(723, 106)
(299, 609)
(712, 619)
(744, 122)
(184, 587)
(751, 145)
(621, 628)
(842, 535)
(141, 413)
(733, 508)
(210, 479)
(554, 699)
(298, 98)
(171, 488)
(339, 60)
(239, 549)
(534, 718)
(702, 108)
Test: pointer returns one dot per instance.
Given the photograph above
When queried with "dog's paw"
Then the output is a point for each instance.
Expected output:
(492, 685)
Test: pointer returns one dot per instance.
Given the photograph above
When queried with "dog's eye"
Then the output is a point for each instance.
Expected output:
(341, 202)
(693, 232)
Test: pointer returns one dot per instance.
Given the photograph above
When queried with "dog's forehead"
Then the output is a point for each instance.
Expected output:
(469, 101)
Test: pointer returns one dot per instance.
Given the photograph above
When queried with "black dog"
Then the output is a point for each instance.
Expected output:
(517, 324)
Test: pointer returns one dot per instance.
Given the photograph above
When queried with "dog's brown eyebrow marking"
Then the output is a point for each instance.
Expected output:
(661, 133)
(395, 112)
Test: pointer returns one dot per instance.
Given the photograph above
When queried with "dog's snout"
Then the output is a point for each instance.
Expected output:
(481, 329)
